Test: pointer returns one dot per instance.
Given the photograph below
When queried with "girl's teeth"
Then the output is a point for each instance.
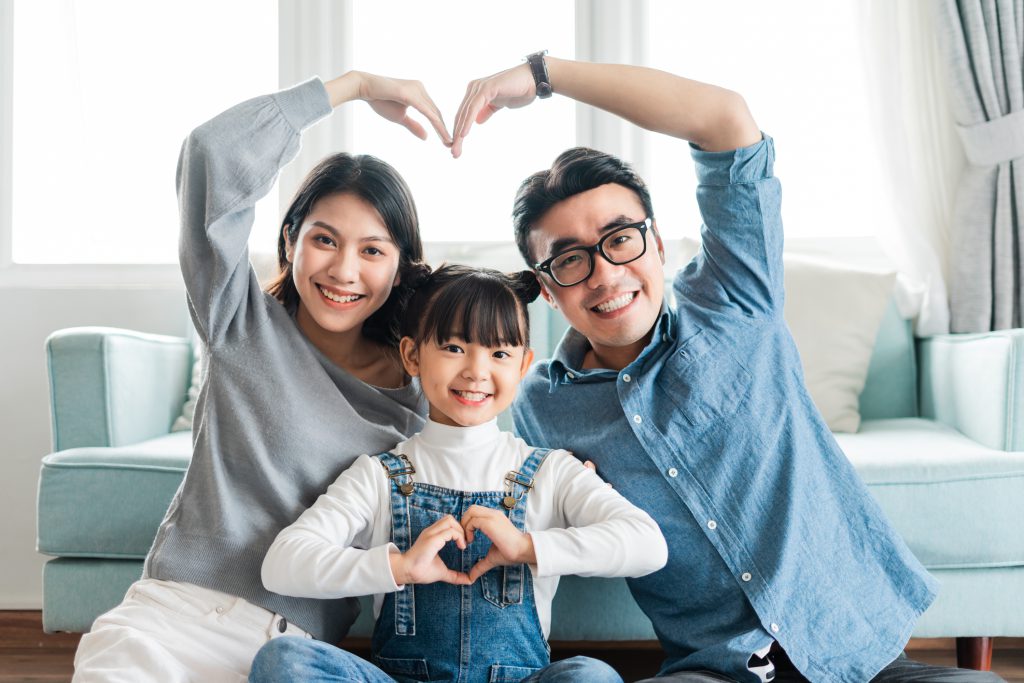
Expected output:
(339, 299)
(615, 304)
(472, 395)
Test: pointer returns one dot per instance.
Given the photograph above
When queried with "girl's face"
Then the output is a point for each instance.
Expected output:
(344, 264)
(466, 383)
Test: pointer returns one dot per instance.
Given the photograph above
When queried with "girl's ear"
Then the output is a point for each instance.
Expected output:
(527, 361)
(410, 356)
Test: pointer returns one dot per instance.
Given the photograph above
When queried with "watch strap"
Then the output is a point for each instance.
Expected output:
(539, 69)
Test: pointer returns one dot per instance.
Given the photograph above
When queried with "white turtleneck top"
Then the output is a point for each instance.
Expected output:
(339, 547)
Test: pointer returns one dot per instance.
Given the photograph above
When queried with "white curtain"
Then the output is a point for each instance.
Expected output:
(916, 135)
(314, 39)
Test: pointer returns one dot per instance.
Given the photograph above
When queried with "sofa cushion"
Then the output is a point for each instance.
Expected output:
(957, 504)
(84, 494)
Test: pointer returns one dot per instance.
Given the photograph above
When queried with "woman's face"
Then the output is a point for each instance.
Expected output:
(344, 264)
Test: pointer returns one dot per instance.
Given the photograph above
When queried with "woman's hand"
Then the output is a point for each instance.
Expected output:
(420, 564)
(509, 545)
(511, 88)
(391, 98)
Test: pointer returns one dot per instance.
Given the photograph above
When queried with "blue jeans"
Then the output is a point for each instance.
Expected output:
(302, 659)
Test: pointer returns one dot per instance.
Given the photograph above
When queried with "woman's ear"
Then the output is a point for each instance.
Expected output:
(289, 248)
(410, 356)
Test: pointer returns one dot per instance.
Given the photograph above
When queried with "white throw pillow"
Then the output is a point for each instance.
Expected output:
(184, 421)
(834, 312)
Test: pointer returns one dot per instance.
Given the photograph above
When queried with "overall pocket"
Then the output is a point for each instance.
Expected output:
(503, 586)
(503, 673)
(403, 668)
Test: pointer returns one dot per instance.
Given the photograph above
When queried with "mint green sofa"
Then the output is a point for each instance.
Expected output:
(941, 446)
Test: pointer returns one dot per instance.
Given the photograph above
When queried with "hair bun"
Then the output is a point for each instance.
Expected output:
(526, 285)
(417, 273)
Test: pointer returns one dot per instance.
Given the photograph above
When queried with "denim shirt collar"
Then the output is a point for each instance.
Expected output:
(567, 361)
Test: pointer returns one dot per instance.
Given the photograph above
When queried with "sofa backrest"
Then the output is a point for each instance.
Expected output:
(891, 387)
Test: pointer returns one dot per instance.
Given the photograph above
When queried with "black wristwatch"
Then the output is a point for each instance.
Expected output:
(539, 69)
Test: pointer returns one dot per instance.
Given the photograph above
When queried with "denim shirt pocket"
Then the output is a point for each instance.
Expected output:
(503, 673)
(403, 669)
(703, 379)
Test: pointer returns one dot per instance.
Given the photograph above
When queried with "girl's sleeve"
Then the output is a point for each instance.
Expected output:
(225, 166)
(327, 552)
(594, 531)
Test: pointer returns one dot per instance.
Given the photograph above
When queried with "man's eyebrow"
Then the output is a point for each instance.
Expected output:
(564, 243)
(337, 233)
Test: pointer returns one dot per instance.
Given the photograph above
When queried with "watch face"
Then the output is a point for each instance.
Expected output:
(543, 89)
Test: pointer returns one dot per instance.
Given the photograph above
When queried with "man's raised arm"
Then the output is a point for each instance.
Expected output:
(713, 118)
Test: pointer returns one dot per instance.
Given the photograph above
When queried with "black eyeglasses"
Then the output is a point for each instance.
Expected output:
(620, 246)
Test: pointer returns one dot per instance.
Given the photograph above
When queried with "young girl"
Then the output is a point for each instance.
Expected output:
(313, 361)
(453, 603)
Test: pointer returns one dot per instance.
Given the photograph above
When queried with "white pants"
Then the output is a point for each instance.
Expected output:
(176, 632)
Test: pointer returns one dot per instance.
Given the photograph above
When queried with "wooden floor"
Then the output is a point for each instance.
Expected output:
(28, 654)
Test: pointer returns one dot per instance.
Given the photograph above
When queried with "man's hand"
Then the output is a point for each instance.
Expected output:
(511, 88)
(420, 564)
(509, 545)
(391, 98)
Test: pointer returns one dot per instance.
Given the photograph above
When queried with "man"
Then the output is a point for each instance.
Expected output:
(699, 413)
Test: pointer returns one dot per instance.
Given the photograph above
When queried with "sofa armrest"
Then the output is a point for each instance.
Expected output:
(111, 387)
(975, 384)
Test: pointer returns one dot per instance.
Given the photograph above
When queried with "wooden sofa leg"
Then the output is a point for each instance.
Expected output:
(974, 653)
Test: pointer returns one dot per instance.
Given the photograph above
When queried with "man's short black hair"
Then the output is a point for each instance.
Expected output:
(575, 170)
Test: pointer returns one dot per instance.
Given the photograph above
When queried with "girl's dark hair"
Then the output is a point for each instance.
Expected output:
(575, 170)
(380, 185)
(479, 305)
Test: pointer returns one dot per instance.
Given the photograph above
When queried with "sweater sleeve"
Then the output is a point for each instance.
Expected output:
(594, 530)
(326, 553)
(225, 166)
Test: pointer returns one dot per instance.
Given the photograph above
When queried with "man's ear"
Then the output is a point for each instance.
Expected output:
(289, 248)
(527, 361)
(546, 293)
(410, 356)
(657, 240)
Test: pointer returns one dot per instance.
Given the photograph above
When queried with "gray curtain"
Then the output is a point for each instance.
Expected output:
(983, 41)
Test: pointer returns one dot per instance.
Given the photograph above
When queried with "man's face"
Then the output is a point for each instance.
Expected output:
(618, 304)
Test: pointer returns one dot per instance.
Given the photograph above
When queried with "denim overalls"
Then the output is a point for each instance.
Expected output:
(483, 633)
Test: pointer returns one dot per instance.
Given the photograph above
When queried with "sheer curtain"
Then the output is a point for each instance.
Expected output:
(921, 151)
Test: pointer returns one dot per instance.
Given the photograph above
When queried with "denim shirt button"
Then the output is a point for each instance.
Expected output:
(712, 524)
(775, 628)
(637, 419)
(746, 576)
(672, 471)
(626, 378)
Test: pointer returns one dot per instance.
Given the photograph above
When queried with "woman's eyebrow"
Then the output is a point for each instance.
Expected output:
(337, 233)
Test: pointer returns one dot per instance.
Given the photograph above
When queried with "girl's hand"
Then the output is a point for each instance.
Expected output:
(420, 564)
(391, 98)
(509, 545)
(511, 88)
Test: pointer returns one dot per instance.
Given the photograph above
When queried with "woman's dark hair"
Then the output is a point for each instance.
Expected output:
(380, 185)
(479, 305)
(575, 170)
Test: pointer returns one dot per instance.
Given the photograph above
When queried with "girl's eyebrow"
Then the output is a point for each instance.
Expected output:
(334, 231)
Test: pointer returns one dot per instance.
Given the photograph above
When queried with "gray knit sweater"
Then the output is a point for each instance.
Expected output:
(276, 421)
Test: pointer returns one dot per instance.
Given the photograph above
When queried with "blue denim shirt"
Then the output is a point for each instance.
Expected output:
(711, 430)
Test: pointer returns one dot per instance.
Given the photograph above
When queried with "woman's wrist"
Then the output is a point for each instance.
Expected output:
(344, 88)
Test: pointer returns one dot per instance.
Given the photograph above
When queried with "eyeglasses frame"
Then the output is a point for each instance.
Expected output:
(598, 248)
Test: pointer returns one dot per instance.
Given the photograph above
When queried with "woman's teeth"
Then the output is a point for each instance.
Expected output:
(340, 299)
(616, 303)
(474, 396)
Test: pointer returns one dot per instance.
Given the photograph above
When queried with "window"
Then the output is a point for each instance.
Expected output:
(470, 198)
(799, 65)
(103, 95)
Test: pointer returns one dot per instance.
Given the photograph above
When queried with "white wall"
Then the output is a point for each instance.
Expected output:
(29, 315)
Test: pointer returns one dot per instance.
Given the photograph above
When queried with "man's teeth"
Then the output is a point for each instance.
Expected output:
(339, 299)
(616, 303)
(474, 396)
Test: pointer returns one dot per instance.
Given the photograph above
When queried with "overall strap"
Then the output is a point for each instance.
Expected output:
(399, 472)
(517, 486)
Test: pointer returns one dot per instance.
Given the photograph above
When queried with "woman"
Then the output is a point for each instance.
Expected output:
(291, 373)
